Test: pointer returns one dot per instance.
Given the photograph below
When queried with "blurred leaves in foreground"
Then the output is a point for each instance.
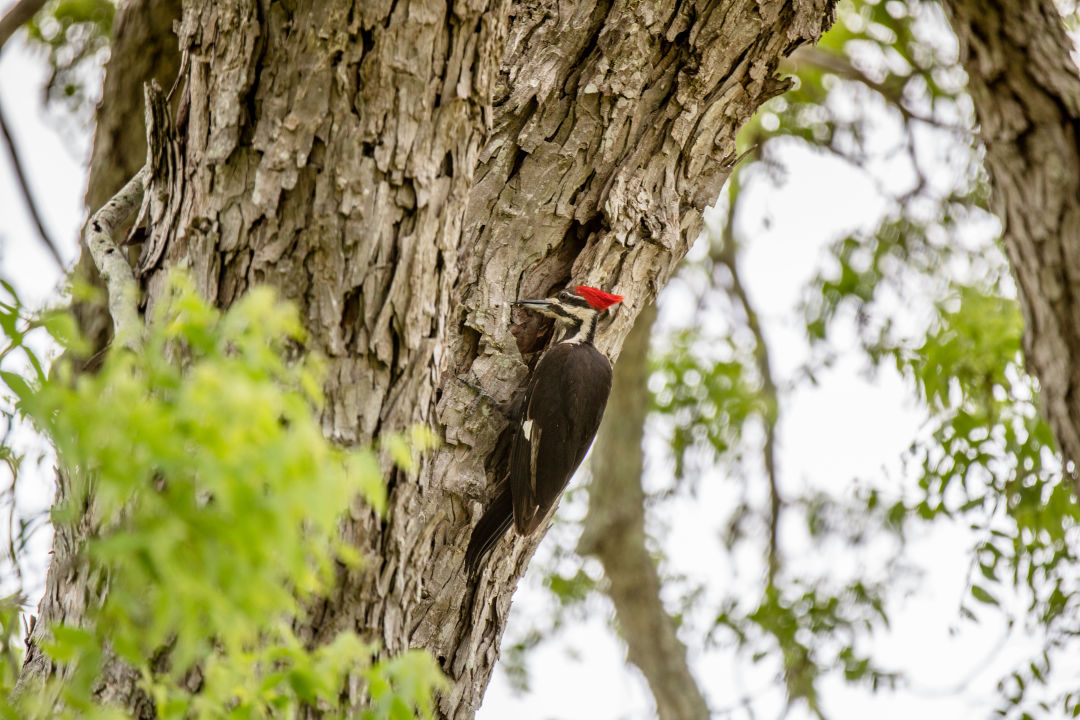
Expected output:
(211, 499)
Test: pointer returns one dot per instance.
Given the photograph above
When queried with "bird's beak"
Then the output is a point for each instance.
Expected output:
(538, 304)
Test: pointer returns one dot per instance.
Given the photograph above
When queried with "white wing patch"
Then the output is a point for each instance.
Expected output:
(533, 441)
(534, 453)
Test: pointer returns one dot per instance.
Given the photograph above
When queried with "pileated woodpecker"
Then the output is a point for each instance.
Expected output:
(562, 407)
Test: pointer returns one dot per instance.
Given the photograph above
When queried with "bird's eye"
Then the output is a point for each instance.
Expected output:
(564, 295)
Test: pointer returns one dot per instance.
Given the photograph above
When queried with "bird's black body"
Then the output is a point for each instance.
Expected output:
(561, 411)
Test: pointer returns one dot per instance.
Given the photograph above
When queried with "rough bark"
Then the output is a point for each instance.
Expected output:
(1026, 91)
(615, 533)
(401, 171)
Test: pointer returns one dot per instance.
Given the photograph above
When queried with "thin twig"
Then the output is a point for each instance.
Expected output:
(725, 255)
(739, 158)
(18, 16)
(843, 67)
(16, 165)
(114, 267)
(981, 665)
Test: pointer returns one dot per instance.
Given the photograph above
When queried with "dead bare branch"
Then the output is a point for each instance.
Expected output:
(112, 263)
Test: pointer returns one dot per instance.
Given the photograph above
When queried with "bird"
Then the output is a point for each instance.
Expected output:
(560, 412)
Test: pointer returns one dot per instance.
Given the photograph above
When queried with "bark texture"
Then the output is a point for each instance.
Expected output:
(1026, 91)
(615, 533)
(401, 171)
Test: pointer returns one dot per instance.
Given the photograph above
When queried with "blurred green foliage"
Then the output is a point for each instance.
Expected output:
(76, 36)
(811, 631)
(211, 498)
(708, 400)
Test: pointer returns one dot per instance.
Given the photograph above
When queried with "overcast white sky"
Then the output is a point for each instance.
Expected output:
(847, 427)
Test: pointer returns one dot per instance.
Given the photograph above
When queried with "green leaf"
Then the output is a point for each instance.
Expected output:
(982, 595)
(62, 326)
(219, 501)
(18, 385)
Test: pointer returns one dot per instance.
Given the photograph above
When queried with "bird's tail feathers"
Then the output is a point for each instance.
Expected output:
(493, 525)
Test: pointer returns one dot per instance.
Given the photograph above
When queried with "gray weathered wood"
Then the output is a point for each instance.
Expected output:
(115, 270)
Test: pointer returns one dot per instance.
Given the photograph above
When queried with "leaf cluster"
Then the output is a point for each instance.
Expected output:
(707, 396)
(210, 500)
(808, 630)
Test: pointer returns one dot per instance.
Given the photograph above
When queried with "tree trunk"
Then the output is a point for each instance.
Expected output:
(402, 171)
(1026, 92)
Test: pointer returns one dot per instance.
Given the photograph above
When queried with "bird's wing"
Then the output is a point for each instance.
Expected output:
(562, 409)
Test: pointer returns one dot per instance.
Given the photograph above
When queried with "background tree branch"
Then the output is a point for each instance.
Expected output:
(31, 206)
(615, 534)
(16, 17)
(725, 255)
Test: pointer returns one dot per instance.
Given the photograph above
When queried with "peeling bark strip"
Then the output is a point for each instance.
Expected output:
(164, 186)
(1026, 92)
(402, 170)
(114, 267)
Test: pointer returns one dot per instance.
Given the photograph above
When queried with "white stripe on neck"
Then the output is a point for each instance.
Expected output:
(584, 331)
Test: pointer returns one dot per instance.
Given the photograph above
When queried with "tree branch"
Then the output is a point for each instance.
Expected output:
(18, 16)
(16, 165)
(615, 534)
(725, 255)
(111, 262)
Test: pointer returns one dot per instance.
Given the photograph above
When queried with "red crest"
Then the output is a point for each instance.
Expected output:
(597, 298)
